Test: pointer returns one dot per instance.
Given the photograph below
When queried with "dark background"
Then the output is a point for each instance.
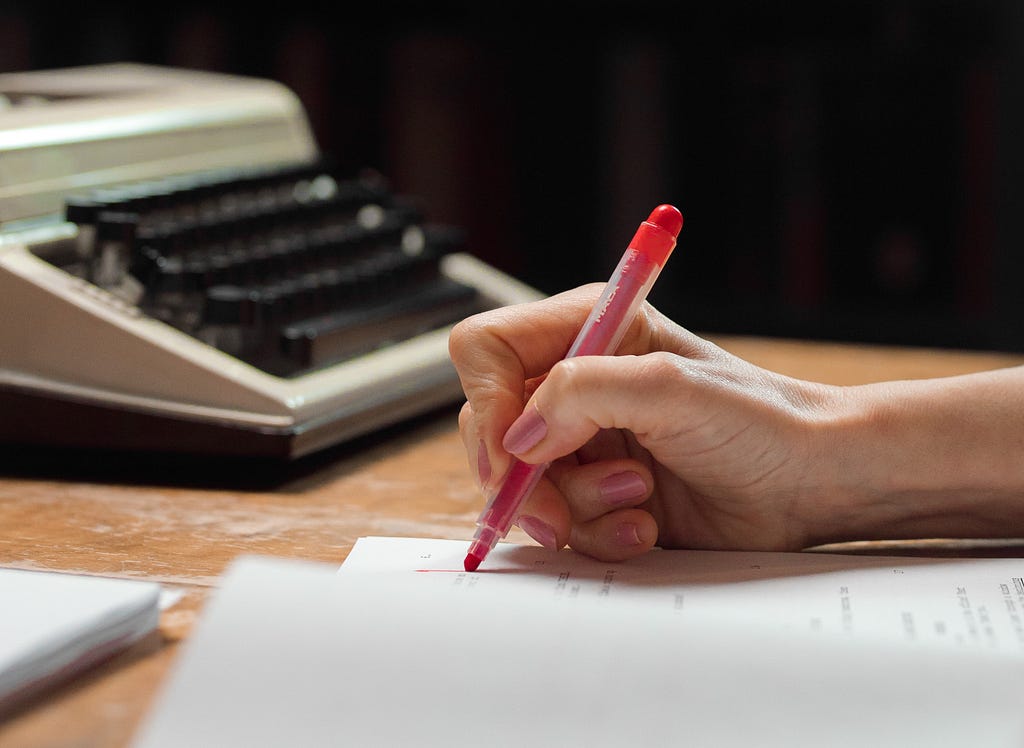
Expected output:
(848, 170)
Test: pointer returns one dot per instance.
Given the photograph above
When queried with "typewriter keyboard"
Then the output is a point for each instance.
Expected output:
(289, 269)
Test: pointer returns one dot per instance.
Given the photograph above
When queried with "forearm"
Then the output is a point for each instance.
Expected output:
(929, 458)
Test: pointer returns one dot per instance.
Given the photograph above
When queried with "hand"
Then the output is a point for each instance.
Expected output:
(672, 441)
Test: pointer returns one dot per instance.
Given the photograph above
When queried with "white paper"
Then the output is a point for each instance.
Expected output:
(974, 605)
(402, 647)
(54, 625)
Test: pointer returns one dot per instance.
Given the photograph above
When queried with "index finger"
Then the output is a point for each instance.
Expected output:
(499, 353)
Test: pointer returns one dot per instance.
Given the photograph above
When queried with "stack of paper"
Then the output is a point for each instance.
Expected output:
(402, 647)
(53, 626)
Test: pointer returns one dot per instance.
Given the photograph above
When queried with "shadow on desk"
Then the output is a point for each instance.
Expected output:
(218, 471)
(930, 548)
(55, 693)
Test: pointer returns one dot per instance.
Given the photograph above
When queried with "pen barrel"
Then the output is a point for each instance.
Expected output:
(501, 511)
(600, 335)
(615, 309)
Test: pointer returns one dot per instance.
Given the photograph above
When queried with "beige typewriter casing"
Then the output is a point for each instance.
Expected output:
(81, 368)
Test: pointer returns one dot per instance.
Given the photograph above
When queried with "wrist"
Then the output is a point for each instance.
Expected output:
(914, 459)
(851, 494)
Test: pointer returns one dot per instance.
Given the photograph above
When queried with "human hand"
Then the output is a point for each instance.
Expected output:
(672, 441)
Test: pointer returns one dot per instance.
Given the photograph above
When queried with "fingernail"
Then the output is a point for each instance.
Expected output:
(539, 531)
(483, 463)
(627, 534)
(620, 487)
(525, 432)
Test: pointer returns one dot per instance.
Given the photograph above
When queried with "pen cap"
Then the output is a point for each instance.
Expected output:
(656, 237)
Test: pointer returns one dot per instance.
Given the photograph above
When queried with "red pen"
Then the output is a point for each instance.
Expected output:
(601, 335)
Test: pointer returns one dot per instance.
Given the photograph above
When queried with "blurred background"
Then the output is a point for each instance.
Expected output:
(848, 170)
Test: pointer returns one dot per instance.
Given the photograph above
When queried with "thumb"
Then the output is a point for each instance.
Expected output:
(655, 396)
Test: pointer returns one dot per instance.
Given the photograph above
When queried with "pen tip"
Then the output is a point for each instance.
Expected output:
(472, 562)
(668, 218)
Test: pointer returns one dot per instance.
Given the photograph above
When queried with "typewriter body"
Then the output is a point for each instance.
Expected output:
(180, 271)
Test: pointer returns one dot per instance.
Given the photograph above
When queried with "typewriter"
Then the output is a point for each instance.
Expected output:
(181, 271)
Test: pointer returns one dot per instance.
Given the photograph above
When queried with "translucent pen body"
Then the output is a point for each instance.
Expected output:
(601, 334)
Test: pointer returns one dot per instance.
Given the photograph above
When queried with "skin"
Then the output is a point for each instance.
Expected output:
(677, 443)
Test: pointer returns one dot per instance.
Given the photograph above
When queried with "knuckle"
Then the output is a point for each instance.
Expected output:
(662, 366)
(462, 337)
(468, 333)
(567, 378)
(669, 373)
(465, 416)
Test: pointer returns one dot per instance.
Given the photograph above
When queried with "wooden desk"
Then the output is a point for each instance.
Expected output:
(155, 522)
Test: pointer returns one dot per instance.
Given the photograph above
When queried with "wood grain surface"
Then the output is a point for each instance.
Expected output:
(181, 522)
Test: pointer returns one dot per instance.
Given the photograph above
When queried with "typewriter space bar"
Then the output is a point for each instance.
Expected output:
(333, 337)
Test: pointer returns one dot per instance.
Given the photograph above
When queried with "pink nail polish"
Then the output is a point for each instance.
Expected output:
(525, 432)
(627, 534)
(619, 488)
(483, 463)
(539, 531)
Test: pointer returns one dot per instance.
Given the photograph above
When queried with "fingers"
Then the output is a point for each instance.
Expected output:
(479, 461)
(603, 498)
(616, 536)
(515, 406)
(601, 487)
(593, 508)
(502, 355)
(498, 353)
(590, 507)
(653, 396)
(545, 516)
